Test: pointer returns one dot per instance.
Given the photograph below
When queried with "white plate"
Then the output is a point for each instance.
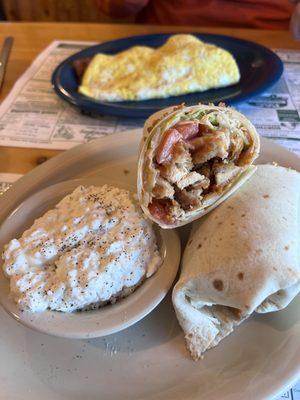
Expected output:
(96, 323)
(147, 361)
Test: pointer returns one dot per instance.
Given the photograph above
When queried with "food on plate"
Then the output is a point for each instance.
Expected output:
(241, 258)
(184, 64)
(94, 247)
(191, 159)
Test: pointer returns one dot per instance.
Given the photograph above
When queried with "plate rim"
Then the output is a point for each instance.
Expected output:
(50, 167)
(117, 109)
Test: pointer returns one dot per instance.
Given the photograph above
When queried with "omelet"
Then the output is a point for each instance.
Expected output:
(184, 64)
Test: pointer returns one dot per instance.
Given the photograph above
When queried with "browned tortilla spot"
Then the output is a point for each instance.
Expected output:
(286, 247)
(179, 107)
(241, 276)
(126, 171)
(243, 215)
(258, 251)
(220, 223)
(274, 269)
(237, 313)
(218, 284)
(230, 207)
(199, 245)
(266, 196)
(190, 242)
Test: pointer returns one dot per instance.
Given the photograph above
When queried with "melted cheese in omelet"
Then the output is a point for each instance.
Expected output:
(184, 64)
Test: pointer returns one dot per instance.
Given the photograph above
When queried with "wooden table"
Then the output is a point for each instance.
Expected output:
(31, 38)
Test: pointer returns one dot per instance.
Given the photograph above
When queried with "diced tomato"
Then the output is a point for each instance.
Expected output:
(164, 150)
(159, 209)
(187, 129)
(80, 66)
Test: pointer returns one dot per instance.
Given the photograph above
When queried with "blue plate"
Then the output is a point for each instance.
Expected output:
(260, 68)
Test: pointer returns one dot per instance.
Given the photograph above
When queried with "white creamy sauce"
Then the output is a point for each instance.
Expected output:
(93, 247)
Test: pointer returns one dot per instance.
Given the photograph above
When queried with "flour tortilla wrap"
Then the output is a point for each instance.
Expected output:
(191, 159)
(241, 258)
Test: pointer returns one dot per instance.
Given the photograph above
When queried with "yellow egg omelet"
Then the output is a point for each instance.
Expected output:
(184, 64)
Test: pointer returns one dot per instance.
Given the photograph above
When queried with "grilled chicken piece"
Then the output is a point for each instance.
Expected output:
(224, 172)
(181, 155)
(237, 145)
(203, 184)
(191, 197)
(209, 146)
(190, 179)
(163, 189)
(172, 172)
(188, 200)
(180, 165)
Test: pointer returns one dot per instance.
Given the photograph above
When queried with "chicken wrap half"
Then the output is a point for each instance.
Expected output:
(242, 257)
(191, 159)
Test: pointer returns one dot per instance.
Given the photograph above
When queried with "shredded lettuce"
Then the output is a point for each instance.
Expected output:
(213, 119)
(196, 115)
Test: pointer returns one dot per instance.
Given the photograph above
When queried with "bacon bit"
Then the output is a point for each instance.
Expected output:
(159, 209)
(187, 129)
(238, 314)
(80, 66)
(164, 150)
(202, 128)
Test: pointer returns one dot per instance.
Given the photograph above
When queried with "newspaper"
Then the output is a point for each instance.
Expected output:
(292, 394)
(32, 115)
(275, 113)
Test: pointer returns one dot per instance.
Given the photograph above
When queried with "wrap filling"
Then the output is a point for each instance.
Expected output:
(193, 160)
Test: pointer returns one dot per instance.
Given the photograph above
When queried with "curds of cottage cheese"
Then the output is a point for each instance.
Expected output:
(93, 247)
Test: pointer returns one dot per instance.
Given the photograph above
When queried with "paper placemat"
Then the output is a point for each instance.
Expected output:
(32, 115)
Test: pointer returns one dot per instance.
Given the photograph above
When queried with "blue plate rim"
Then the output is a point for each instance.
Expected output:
(118, 109)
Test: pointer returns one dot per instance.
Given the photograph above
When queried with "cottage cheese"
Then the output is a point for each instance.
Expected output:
(93, 247)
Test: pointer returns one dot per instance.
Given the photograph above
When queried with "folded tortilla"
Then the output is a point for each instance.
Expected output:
(191, 159)
(241, 258)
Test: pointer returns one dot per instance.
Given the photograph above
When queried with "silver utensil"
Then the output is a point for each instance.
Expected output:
(4, 56)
